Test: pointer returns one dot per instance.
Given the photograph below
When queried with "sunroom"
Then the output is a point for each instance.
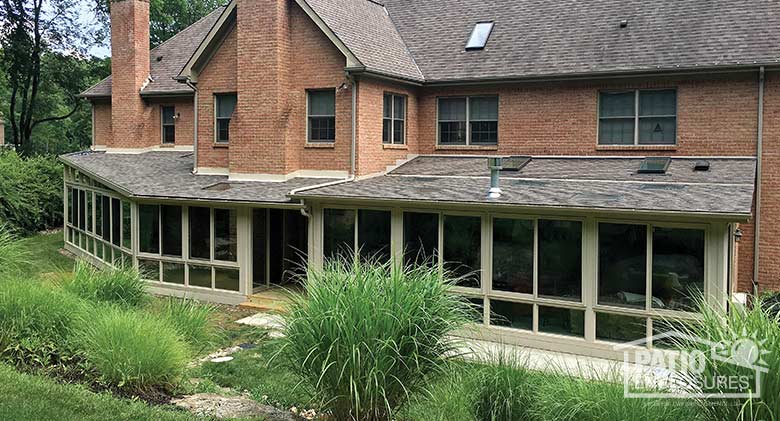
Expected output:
(576, 255)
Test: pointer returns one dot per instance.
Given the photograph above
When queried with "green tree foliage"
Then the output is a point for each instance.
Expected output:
(30, 193)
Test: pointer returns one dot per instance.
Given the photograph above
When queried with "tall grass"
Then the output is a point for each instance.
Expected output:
(191, 320)
(504, 389)
(760, 325)
(14, 257)
(365, 337)
(36, 322)
(132, 350)
(121, 285)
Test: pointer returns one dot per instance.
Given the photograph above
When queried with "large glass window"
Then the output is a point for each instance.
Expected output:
(225, 235)
(89, 211)
(623, 265)
(259, 247)
(149, 229)
(199, 276)
(321, 115)
(509, 314)
(200, 233)
(620, 328)
(394, 119)
(562, 321)
(126, 226)
(98, 214)
(678, 268)
(513, 255)
(168, 124)
(421, 238)
(70, 200)
(462, 248)
(560, 259)
(374, 234)
(468, 120)
(116, 221)
(225, 105)
(338, 232)
(82, 210)
(639, 117)
(171, 230)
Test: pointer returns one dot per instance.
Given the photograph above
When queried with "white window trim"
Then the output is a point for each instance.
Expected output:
(217, 118)
(308, 116)
(163, 125)
(637, 117)
(393, 118)
(468, 99)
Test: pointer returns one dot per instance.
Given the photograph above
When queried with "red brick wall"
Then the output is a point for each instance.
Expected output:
(102, 123)
(769, 257)
(372, 155)
(184, 124)
(218, 76)
(130, 70)
(716, 116)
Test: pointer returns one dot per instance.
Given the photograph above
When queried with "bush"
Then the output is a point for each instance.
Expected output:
(13, 255)
(191, 320)
(122, 285)
(760, 324)
(133, 351)
(365, 336)
(36, 323)
(30, 192)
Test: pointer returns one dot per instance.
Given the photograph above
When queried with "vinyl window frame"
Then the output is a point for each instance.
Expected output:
(217, 118)
(637, 117)
(468, 121)
(309, 116)
(393, 118)
(163, 124)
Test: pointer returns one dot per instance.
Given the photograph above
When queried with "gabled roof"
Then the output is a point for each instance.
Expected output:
(423, 41)
(563, 183)
(543, 38)
(172, 55)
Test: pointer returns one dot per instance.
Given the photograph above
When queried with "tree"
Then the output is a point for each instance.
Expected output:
(30, 28)
(167, 17)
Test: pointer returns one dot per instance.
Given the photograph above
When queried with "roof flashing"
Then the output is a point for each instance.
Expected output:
(479, 36)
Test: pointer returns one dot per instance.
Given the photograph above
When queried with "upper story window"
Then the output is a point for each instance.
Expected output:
(468, 120)
(168, 125)
(225, 106)
(321, 115)
(394, 120)
(638, 117)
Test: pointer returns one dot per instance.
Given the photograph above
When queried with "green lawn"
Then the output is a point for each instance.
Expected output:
(44, 253)
(26, 397)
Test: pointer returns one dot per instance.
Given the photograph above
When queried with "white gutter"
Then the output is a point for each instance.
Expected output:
(759, 158)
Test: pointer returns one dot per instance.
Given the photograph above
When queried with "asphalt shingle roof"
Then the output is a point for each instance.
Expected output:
(168, 174)
(538, 38)
(369, 33)
(167, 60)
(582, 183)
(424, 40)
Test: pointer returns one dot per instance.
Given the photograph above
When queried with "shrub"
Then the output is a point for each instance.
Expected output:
(121, 285)
(36, 323)
(13, 255)
(191, 320)
(365, 336)
(30, 192)
(759, 324)
(131, 350)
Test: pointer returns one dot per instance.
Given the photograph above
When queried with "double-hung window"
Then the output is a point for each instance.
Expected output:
(468, 120)
(225, 106)
(321, 115)
(394, 120)
(168, 125)
(638, 117)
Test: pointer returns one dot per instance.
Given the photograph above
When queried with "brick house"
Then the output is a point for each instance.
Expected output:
(276, 132)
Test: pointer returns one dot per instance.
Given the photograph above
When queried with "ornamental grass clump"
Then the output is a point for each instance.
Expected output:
(191, 320)
(504, 388)
(365, 337)
(122, 285)
(134, 351)
(750, 334)
(14, 257)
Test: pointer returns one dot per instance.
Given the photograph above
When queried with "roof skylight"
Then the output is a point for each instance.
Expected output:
(479, 36)
(657, 165)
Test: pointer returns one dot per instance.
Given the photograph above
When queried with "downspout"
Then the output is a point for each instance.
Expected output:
(195, 125)
(759, 168)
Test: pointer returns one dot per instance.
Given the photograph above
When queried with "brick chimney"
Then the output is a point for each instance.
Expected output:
(263, 86)
(130, 71)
